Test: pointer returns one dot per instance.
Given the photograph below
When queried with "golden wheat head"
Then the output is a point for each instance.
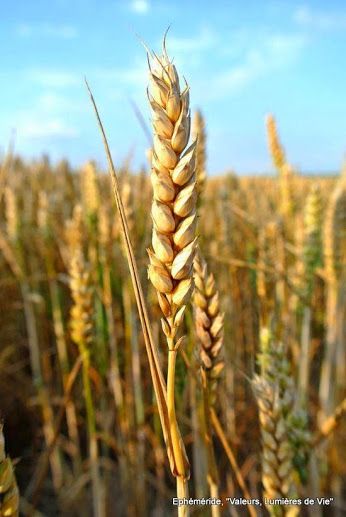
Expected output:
(174, 195)
(276, 150)
(209, 320)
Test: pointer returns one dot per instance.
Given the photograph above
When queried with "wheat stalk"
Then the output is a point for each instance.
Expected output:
(333, 366)
(330, 424)
(311, 260)
(127, 197)
(265, 280)
(312, 245)
(81, 329)
(134, 392)
(335, 233)
(128, 202)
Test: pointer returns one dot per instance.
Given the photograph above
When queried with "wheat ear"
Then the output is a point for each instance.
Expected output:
(276, 368)
(209, 323)
(174, 219)
(9, 495)
(273, 389)
(276, 150)
(284, 169)
(209, 329)
(90, 189)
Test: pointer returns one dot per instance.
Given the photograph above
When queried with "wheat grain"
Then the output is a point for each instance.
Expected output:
(198, 132)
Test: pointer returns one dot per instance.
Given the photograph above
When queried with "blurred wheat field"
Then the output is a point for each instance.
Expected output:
(259, 383)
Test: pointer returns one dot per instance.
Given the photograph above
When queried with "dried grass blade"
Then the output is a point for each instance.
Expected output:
(155, 368)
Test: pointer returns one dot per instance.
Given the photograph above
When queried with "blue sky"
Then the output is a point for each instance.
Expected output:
(242, 60)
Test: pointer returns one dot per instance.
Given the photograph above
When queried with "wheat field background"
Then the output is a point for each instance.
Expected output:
(189, 328)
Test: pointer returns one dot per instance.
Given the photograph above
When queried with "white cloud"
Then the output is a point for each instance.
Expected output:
(54, 78)
(27, 30)
(320, 20)
(140, 6)
(135, 77)
(49, 116)
(41, 129)
(53, 102)
(204, 40)
(275, 51)
(191, 52)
